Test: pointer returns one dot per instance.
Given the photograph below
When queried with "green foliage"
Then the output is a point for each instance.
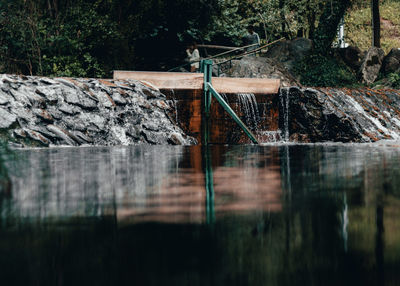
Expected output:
(91, 38)
(394, 80)
(321, 70)
(72, 44)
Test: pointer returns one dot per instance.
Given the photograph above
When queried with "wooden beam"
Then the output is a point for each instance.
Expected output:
(194, 81)
(217, 47)
(246, 85)
(165, 80)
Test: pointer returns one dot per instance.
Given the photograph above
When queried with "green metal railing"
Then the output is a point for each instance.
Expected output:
(255, 51)
(209, 91)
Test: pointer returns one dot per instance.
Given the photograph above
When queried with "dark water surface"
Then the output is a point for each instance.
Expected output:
(237, 215)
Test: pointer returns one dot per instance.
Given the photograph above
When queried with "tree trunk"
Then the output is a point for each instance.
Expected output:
(311, 24)
(329, 21)
(376, 24)
(282, 16)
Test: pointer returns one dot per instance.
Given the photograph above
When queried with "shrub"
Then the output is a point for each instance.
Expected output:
(394, 80)
(322, 71)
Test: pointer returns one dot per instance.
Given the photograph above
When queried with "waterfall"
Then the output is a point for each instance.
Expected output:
(249, 108)
(284, 108)
(174, 102)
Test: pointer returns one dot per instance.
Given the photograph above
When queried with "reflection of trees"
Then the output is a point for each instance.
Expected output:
(68, 182)
(317, 178)
(304, 242)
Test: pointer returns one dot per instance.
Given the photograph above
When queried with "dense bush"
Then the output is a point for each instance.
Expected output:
(90, 38)
(394, 80)
(322, 70)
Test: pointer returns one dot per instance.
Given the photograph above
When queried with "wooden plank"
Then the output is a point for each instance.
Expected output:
(246, 85)
(194, 81)
(217, 47)
(165, 80)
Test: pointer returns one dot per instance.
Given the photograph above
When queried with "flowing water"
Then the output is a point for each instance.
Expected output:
(284, 107)
(249, 109)
(223, 215)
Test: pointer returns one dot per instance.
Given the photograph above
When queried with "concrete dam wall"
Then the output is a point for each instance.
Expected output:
(39, 111)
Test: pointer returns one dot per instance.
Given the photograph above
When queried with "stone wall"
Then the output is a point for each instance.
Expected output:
(39, 111)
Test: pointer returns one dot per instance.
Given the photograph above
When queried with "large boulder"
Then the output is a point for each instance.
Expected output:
(391, 63)
(352, 56)
(260, 67)
(371, 65)
(288, 52)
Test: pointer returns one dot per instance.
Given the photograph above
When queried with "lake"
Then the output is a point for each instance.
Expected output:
(324, 214)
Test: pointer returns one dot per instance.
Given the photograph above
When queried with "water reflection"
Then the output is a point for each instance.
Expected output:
(237, 215)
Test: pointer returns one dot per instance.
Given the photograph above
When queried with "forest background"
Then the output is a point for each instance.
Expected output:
(93, 37)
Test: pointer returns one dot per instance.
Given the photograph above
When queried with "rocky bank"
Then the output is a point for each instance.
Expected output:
(340, 115)
(40, 111)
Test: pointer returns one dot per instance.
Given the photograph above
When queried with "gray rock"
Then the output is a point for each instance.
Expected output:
(154, 137)
(43, 130)
(61, 134)
(94, 119)
(6, 119)
(86, 102)
(49, 93)
(71, 95)
(288, 52)
(150, 94)
(66, 83)
(55, 112)
(152, 126)
(36, 136)
(176, 139)
(118, 99)
(104, 99)
(371, 65)
(260, 67)
(43, 115)
(23, 113)
(74, 123)
(391, 63)
(351, 56)
(82, 137)
(48, 81)
(21, 97)
(133, 131)
(4, 98)
(20, 133)
(68, 109)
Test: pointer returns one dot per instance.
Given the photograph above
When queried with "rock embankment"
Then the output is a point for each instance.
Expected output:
(39, 111)
(341, 115)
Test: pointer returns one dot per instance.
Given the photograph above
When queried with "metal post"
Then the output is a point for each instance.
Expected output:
(206, 68)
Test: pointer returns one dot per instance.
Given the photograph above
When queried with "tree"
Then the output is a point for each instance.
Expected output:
(328, 23)
(376, 24)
